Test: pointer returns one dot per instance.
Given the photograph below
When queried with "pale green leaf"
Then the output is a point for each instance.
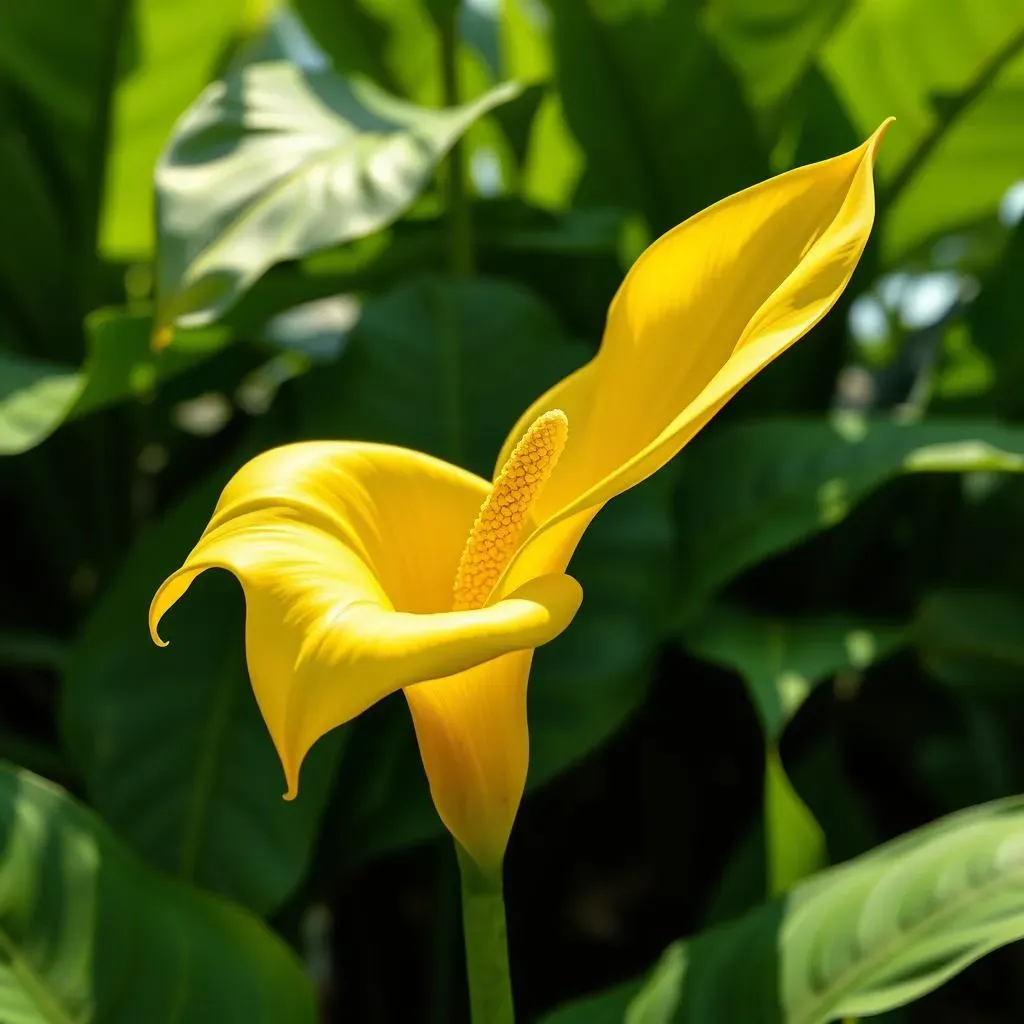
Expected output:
(863, 938)
(277, 162)
(35, 397)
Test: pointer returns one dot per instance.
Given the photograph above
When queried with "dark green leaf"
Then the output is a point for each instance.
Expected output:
(87, 933)
(170, 741)
(781, 661)
(647, 94)
(442, 366)
(753, 489)
(972, 638)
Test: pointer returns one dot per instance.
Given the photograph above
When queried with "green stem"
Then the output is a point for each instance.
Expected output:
(460, 226)
(483, 921)
(955, 106)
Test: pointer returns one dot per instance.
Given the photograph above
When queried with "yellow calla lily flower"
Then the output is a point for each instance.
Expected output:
(370, 568)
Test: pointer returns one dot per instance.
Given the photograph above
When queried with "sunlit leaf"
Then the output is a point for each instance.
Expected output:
(89, 934)
(175, 50)
(36, 397)
(956, 95)
(277, 162)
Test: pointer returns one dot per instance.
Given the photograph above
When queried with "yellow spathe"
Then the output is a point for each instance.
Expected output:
(369, 568)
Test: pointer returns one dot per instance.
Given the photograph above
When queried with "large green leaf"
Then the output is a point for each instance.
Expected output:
(956, 93)
(447, 367)
(170, 742)
(87, 933)
(276, 162)
(646, 94)
(753, 489)
(443, 366)
(36, 396)
(859, 939)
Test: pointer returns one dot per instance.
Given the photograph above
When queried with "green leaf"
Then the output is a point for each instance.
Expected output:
(175, 50)
(996, 319)
(277, 162)
(447, 367)
(868, 936)
(170, 741)
(785, 480)
(36, 397)
(443, 366)
(956, 95)
(649, 1001)
(972, 638)
(646, 94)
(87, 933)
(795, 841)
(771, 43)
(658, 998)
(782, 660)
(603, 1008)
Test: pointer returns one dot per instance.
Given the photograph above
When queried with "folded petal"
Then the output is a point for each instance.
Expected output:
(347, 554)
(706, 307)
(473, 738)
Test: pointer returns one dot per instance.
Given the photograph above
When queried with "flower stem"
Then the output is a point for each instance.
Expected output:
(460, 225)
(483, 921)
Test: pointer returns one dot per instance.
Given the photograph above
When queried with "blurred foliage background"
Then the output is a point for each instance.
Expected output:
(227, 224)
